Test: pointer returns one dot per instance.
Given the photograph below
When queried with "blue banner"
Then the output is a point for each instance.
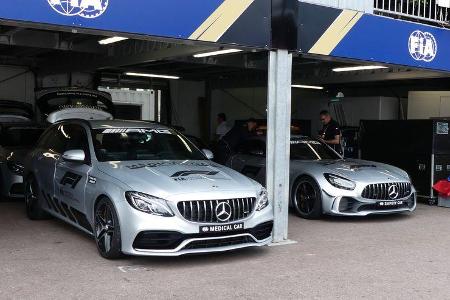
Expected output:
(380, 39)
(164, 18)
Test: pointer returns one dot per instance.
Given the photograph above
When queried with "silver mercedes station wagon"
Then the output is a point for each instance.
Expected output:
(141, 188)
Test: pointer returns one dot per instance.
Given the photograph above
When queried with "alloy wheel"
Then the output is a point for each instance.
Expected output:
(305, 197)
(104, 227)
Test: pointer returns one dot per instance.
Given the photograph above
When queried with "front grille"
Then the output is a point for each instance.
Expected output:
(387, 191)
(205, 210)
(204, 244)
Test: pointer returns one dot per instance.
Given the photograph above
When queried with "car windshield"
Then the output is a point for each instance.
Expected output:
(126, 144)
(302, 149)
(20, 136)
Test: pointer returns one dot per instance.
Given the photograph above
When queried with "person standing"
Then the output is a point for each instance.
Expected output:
(230, 142)
(222, 126)
(331, 131)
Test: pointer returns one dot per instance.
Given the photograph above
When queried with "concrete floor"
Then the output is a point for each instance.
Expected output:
(395, 257)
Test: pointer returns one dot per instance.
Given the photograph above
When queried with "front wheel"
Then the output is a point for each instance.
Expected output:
(107, 230)
(33, 209)
(307, 198)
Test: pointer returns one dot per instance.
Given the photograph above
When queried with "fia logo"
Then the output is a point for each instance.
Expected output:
(422, 46)
(89, 9)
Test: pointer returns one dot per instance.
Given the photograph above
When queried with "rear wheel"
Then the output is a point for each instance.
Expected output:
(33, 208)
(107, 230)
(307, 198)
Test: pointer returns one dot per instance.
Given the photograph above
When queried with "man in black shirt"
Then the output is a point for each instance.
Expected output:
(228, 144)
(331, 131)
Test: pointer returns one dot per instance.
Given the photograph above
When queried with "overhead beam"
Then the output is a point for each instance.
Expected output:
(47, 40)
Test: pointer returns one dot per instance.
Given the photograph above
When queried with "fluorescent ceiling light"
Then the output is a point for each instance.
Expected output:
(313, 87)
(219, 52)
(112, 40)
(358, 68)
(151, 75)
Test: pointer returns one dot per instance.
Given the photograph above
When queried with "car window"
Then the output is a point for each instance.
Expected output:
(302, 149)
(76, 138)
(58, 142)
(253, 147)
(46, 139)
(125, 144)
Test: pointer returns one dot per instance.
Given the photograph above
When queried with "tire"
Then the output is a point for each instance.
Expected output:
(107, 230)
(307, 198)
(31, 194)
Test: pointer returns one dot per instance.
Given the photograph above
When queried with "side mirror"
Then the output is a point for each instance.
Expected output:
(208, 153)
(74, 156)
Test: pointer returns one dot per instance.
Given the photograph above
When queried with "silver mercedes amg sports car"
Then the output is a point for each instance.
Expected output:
(141, 188)
(321, 181)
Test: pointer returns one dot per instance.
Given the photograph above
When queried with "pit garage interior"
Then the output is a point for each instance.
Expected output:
(184, 83)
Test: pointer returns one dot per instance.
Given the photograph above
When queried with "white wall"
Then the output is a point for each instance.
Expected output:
(144, 99)
(361, 5)
(308, 105)
(238, 104)
(426, 104)
(20, 88)
(185, 104)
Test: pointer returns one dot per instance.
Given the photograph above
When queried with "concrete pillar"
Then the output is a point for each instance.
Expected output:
(278, 139)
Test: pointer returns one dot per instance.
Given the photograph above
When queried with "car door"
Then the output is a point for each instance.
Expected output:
(251, 160)
(71, 177)
(47, 153)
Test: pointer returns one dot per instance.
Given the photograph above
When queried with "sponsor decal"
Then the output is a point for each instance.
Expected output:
(422, 46)
(296, 142)
(222, 228)
(166, 164)
(68, 106)
(92, 180)
(190, 175)
(71, 179)
(136, 130)
(89, 9)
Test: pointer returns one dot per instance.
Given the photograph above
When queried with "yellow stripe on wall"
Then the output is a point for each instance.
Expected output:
(221, 20)
(336, 32)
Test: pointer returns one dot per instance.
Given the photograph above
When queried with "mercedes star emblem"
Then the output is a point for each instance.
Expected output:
(393, 192)
(223, 211)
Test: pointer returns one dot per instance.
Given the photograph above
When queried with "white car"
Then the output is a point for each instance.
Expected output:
(141, 188)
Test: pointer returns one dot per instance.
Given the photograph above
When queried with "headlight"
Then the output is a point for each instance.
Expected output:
(149, 204)
(340, 182)
(262, 201)
(15, 167)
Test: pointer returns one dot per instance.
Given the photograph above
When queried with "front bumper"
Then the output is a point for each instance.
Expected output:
(12, 184)
(352, 204)
(148, 235)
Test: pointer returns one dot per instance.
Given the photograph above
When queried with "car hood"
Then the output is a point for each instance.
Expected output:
(163, 178)
(358, 170)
